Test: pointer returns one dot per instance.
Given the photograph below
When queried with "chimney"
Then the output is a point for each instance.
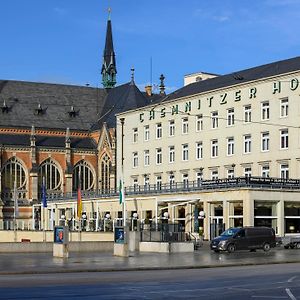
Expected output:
(148, 90)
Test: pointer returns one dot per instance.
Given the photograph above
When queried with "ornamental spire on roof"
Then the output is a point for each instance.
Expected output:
(109, 69)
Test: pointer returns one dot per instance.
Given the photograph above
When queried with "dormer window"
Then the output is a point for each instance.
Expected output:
(39, 110)
(4, 107)
(73, 113)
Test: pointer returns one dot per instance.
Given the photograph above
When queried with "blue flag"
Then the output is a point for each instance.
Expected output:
(44, 195)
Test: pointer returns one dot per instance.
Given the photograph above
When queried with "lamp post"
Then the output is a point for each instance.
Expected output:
(122, 120)
(106, 219)
(84, 217)
(63, 219)
(134, 220)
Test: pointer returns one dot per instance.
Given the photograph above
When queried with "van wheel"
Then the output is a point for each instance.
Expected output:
(217, 251)
(298, 245)
(231, 248)
(286, 247)
(266, 247)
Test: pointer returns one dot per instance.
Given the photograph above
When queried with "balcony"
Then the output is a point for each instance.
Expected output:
(191, 186)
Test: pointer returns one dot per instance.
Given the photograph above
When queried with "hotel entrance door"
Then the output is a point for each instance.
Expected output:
(216, 226)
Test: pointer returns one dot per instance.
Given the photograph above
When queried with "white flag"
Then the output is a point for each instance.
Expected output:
(15, 197)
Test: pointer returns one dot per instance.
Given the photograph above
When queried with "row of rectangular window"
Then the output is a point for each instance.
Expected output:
(265, 146)
(214, 175)
(265, 115)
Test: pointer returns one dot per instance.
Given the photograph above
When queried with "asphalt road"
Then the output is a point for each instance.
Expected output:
(251, 282)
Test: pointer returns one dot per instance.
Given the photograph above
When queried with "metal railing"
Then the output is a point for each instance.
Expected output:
(162, 232)
(232, 183)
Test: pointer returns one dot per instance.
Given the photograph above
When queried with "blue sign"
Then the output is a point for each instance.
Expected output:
(59, 234)
(119, 235)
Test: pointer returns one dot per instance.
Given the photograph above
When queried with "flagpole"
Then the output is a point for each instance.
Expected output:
(79, 204)
(43, 206)
(15, 212)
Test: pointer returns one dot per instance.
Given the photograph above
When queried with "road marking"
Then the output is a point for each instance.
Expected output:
(272, 297)
(291, 279)
(290, 294)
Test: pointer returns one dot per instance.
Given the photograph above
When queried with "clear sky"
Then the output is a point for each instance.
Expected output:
(62, 41)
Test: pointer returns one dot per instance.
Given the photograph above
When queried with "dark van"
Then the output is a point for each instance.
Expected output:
(246, 238)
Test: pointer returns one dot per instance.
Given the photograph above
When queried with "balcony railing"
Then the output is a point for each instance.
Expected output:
(217, 184)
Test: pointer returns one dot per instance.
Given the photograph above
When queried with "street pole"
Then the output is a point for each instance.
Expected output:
(122, 168)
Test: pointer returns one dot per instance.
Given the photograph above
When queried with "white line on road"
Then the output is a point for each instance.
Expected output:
(290, 294)
(272, 297)
(291, 279)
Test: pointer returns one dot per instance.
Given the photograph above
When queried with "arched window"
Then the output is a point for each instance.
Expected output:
(13, 171)
(105, 173)
(87, 176)
(53, 179)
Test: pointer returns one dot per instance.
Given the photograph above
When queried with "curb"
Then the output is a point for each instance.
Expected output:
(133, 269)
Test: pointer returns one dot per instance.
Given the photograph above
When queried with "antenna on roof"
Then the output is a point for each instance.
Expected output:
(150, 70)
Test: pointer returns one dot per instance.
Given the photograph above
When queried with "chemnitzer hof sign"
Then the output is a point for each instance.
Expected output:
(222, 98)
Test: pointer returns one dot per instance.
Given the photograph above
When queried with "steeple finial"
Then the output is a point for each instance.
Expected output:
(109, 69)
(109, 13)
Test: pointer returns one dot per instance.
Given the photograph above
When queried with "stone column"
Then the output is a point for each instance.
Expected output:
(206, 222)
(225, 214)
(34, 186)
(248, 209)
(188, 218)
(34, 168)
(280, 218)
(68, 170)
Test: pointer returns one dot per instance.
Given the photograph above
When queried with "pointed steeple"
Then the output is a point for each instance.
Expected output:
(109, 69)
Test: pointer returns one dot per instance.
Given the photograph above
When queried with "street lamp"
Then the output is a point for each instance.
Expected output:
(166, 215)
(63, 219)
(201, 214)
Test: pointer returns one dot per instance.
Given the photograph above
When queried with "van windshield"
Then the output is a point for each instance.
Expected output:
(230, 231)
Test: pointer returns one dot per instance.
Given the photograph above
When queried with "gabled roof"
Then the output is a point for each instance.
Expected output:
(23, 100)
(268, 70)
(119, 99)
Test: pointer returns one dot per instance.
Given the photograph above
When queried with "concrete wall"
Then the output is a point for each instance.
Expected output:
(38, 247)
(7, 236)
(166, 247)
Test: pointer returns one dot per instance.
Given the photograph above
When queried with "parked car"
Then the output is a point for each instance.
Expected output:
(291, 242)
(245, 238)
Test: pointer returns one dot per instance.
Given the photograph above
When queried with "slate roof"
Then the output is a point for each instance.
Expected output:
(91, 106)
(122, 98)
(23, 99)
(46, 141)
(272, 69)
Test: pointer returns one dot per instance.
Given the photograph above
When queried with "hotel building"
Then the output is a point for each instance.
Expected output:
(226, 148)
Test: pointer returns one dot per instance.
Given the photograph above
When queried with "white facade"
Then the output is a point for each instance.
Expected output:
(246, 130)
(251, 127)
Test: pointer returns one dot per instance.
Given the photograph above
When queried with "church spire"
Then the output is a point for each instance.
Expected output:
(109, 69)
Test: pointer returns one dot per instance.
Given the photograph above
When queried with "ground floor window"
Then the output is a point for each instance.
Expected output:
(292, 217)
(265, 214)
(235, 214)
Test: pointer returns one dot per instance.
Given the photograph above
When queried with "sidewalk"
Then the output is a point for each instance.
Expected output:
(34, 263)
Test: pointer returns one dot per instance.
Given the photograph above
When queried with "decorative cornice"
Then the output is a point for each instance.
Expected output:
(43, 132)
